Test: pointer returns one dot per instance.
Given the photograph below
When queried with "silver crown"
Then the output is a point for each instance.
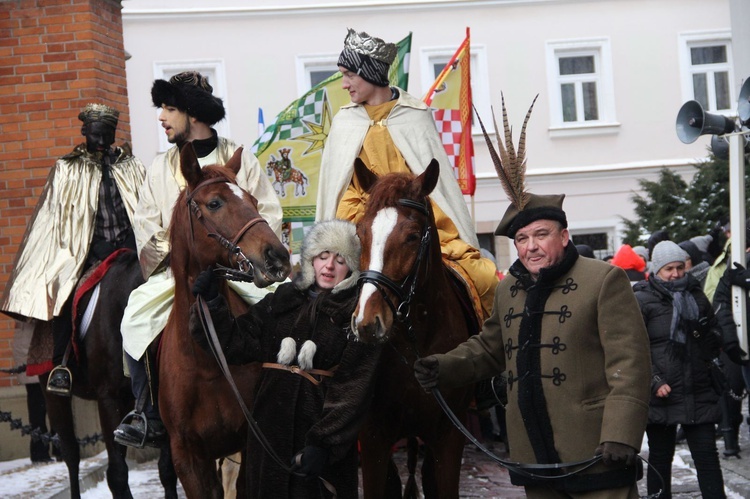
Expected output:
(99, 112)
(371, 46)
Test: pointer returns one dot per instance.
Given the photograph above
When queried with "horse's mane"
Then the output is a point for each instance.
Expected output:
(390, 188)
(180, 212)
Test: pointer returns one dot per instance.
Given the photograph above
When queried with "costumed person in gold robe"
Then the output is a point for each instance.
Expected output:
(188, 111)
(85, 213)
(569, 332)
(392, 131)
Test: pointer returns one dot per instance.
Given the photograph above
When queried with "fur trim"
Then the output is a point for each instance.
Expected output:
(197, 102)
(307, 354)
(287, 352)
(337, 236)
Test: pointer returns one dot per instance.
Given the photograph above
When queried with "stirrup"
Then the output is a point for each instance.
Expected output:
(124, 438)
(61, 371)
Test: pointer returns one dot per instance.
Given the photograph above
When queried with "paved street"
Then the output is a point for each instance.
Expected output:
(480, 476)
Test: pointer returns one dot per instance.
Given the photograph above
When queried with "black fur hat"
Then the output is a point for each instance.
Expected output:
(189, 92)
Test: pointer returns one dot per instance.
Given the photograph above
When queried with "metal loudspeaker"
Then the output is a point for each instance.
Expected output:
(720, 147)
(693, 121)
(743, 108)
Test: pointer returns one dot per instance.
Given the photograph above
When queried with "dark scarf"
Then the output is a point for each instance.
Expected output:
(685, 311)
(531, 401)
(203, 147)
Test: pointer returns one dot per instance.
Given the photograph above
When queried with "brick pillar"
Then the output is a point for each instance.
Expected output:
(55, 57)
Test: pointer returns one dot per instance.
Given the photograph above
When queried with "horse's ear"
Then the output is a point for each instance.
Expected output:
(429, 178)
(364, 175)
(189, 165)
(235, 162)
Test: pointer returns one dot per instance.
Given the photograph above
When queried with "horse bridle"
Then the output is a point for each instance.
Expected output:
(404, 290)
(245, 268)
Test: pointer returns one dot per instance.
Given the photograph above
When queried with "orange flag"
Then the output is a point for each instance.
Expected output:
(450, 100)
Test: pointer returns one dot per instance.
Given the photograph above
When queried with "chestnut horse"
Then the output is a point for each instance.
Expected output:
(408, 300)
(214, 222)
(100, 377)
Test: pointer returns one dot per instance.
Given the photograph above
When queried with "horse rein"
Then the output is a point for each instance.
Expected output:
(404, 291)
(213, 341)
(245, 268)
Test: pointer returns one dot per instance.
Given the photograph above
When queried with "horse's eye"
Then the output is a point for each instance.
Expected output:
(412, 237)
(214, 204)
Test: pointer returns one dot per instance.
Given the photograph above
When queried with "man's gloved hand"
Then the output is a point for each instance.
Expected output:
(310, 461)
(615, 454)
(739, 276)
(206, 285)
(737, 355)
(426, 371)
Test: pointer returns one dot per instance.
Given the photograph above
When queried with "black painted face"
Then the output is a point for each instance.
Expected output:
(99, 136)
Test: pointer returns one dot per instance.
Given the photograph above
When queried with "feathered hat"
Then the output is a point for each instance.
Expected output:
(510, 164)
(190, 92)
(336, 236)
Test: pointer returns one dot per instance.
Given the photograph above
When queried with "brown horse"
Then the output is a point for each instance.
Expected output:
(407, 299)
(100, 377)
(214, 222)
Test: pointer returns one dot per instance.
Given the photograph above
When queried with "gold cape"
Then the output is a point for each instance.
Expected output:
(53, 251)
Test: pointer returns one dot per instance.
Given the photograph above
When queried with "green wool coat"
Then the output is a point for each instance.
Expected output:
(587, 367)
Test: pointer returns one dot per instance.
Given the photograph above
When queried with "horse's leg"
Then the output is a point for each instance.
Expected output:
(429, 480)
(377, 479)
(167, 474)
(60, 412)
(198, 476)
(117, 469)
(445, 452)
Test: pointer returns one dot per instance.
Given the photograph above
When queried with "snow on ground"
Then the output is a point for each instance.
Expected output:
(19, 479)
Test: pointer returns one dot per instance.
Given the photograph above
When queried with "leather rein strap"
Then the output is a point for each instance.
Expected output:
(305, 373)
(215, 345)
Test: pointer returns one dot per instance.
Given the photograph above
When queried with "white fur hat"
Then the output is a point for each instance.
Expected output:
(336, 236)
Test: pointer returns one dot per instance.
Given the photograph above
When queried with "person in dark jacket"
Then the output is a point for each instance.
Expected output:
(315, 384)
(685, 339)
(734, 358)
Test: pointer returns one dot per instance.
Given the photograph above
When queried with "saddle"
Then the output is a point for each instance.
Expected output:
(467, 295)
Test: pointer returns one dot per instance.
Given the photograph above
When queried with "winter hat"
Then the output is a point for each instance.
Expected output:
(190, 92)
(585, 250)
(666, 252)
(336, 236)
(702, 242)
(538, 207)
(693, 252)
(367, 56)
(627, 259)
(641, 251)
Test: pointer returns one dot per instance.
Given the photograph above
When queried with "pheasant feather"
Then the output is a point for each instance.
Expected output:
(510, 163)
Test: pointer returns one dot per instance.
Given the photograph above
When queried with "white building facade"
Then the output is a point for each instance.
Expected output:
(611, 76)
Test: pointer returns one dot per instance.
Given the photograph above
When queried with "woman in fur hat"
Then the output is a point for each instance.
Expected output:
(310, 415)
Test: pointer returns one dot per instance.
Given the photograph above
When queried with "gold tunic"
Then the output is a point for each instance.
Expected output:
(382, 157)
(53, 251)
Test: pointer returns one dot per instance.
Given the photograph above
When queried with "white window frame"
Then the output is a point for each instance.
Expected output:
(305, 64)
(480, 85)
(601, 50)
(702, 39)
(214, 69)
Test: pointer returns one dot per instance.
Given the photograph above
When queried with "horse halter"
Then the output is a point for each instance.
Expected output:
(245, 268)
(404, 290)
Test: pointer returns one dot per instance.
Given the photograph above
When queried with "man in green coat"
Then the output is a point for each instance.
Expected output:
(570, 335)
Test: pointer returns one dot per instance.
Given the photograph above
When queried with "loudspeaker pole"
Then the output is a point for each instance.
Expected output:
(737, 218)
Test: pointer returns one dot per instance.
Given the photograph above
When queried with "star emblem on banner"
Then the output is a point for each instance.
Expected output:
(318, 131)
